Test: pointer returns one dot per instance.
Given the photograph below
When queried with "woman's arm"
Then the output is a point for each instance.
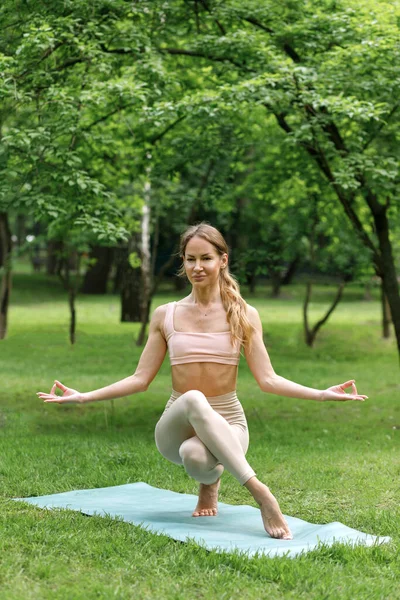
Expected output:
(150, 362)
(263, 372)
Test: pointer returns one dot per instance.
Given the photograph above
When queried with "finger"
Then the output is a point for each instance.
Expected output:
(347, 384)
(53, 389)
(349, 397)
(43, 395)
(60, 385)
(354, 389)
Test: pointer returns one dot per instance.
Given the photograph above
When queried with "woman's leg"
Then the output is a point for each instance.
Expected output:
(191, 415)
(204, 467)
(273, 519)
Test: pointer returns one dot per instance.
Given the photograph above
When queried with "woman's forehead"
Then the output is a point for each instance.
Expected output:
(198, 245)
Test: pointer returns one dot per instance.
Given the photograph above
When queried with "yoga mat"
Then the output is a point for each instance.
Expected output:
(235, 527)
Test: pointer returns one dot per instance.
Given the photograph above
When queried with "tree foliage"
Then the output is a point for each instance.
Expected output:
(248, 110)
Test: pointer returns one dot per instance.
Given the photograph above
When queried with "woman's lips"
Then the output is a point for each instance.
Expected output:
(198, 276)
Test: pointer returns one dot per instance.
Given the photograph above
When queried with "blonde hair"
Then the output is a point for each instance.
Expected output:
(232, 301)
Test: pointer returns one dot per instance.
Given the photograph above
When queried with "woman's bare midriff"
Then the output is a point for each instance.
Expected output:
(213, 379)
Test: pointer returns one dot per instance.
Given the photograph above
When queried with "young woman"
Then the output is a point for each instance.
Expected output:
(203, 426)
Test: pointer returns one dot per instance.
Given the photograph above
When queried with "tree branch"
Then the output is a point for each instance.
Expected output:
(107, 116)
(158, 136)
(183, 52)
(335, 137)
(70, 62)
(318, 155)
(116, 50)
(382, 125)
(336, 301)
(46, 54)
(220, 27)
(289, 50)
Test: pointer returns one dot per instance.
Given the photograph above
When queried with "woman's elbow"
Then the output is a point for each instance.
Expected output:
(145, 384)
(140, 384)
(268, 384)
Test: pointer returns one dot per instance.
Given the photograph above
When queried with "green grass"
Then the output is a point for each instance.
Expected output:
(324, 462)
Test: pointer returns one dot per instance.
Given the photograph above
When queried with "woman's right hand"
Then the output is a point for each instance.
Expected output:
(69, 395)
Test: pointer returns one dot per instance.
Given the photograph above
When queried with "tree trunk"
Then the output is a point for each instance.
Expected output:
(71, 285)
(131, 297)
(307, 334)
(291, 271)
(367, 290)
(53, 257)
(180, 283)
(144, 321)
(311, 334)
(5, 288)
(21, 229)
(386, 316)
(145, 264)
(96, 277)
(251, 280)
(387, 271)
(130, 284)
(72, 323)
(276, 285)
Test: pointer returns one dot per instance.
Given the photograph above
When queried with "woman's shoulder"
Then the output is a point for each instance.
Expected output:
(252, 315)
(251, 310)
(160, 312)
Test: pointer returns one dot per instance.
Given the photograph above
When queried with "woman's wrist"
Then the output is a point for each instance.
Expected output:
(85, 397)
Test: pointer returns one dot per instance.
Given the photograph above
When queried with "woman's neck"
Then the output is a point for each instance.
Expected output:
(206, 296)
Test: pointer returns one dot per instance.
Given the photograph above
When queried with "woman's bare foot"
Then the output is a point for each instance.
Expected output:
(273, 519)
(207, 505)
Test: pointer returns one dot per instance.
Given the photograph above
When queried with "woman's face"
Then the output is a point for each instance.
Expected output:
(202, 262)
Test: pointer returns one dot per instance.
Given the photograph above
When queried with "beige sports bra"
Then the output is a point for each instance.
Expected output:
(189, 347)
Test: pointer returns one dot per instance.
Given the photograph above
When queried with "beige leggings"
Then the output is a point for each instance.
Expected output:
(205, 435)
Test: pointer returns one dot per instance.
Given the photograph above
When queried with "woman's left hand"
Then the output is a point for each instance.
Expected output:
(337, 393)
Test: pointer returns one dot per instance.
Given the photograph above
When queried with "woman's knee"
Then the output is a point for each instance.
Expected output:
(199, 463)
(195, 402)
(195, 455)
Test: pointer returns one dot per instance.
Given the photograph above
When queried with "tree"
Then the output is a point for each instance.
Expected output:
(329, 76)
(331, 248)
(51, 71)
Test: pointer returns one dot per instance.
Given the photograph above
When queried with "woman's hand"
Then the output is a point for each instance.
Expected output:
(69, 395)
(337, 393)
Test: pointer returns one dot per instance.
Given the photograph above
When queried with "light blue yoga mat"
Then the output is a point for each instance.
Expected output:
(235, 527)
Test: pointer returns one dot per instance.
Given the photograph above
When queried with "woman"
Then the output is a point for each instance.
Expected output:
(203, 425)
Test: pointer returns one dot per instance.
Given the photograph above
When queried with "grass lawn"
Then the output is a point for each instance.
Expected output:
(324, 462)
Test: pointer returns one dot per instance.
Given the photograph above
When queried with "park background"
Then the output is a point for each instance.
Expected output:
(122, 123)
